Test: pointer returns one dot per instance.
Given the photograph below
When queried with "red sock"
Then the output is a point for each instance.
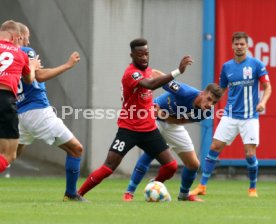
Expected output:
(3, 163)
(166, 171)
(94, 179)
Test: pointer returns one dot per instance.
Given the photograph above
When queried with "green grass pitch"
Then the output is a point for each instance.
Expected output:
(39, 200)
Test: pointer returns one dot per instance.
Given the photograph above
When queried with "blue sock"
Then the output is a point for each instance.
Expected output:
(72, 166)
(252, 167)
(139, 172)
(187, 179)
(210, 163)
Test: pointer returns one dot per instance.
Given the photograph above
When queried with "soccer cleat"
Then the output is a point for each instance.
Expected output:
(252, 192)
(199, 190)
(128, 196)
(189, 198)
(75, 198)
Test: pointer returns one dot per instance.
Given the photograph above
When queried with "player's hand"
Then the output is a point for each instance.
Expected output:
(156, 110)
(35, 63)
(260, 107)
(186, 60)
(73, 59)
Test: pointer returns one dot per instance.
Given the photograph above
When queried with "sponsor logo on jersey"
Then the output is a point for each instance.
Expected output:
(31, 54)
(136, 75)
(249, 82)
(229, 75)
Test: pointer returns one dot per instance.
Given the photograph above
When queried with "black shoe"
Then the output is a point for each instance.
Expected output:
(76, 198)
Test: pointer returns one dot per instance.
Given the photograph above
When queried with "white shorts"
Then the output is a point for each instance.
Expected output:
(176, 136)
(42, 124)
(229, 128)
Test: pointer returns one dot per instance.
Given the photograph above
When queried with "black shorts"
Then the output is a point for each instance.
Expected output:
(8, 115)
(151, 142)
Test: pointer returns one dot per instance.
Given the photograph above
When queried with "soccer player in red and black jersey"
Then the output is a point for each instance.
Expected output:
(137, 122)
(13, 64)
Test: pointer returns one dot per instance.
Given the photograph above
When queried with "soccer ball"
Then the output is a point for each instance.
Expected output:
(156, 191)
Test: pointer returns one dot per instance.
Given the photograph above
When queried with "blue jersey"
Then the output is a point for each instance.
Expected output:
(242, 80)
(32, 96)
(179, 101)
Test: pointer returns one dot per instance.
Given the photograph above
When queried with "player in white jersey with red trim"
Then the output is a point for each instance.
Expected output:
(242, 75)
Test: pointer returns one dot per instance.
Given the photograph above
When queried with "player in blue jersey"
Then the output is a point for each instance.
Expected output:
(181, 104)
(242, 76)
(37, 120)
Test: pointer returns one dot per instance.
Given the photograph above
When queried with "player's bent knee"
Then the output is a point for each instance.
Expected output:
(80, 149)
(77, 150)
(194, 165)
(216, 147)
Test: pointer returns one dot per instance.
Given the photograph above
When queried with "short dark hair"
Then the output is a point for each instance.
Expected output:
(239, 35)
(137, 43)
(215, 89)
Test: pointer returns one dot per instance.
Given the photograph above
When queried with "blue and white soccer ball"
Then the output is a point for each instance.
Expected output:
(156, 191)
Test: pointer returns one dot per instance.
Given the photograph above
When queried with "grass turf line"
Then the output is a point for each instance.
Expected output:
(39, 200)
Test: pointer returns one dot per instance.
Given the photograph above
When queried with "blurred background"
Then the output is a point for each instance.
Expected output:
(100, 30)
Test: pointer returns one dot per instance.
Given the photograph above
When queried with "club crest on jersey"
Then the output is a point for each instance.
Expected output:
(31, 54)
(174, 86)
(136, 75)
(247, 72)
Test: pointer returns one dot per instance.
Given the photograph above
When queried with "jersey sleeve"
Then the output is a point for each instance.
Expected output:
(133, 78)
(261, 69)
(223, 81)
(172, 87)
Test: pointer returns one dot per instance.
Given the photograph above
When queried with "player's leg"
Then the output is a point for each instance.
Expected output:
(137, 175)
(123, 142)
(140, 169)
(210, 163)
(188, 175)
(52, 130)
(7, 152)
(225, 133)
(112, 161)
(48, 127)
(252, 167)
(180, 141)
(74, 151)
(249, 131)
(156, 147)
(19, 150)
(168, 166)
(9, 132)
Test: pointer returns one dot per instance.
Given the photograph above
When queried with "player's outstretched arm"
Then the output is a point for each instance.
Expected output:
(46, 74)
(163, 79)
